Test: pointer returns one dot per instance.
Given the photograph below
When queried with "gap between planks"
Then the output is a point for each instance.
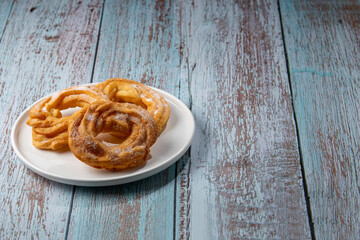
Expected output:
(6, 22)
(187, 155)
(91, 81)
(306, 192)
(97, 43)
(69, 213)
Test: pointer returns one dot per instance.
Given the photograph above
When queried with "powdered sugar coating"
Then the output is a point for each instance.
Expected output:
(133, 151)
(121, 90)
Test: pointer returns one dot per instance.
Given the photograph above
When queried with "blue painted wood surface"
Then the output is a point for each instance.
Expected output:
(226, 60)
(242, 179)
(46, 46)
(5, 7)
(323, 44)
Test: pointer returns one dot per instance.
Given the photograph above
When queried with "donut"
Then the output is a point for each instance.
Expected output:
(49, 127)
(124, 90)
(133, 121)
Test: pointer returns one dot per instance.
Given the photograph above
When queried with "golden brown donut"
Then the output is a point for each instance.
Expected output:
(134, 121)
(124, 90)
(49, 127)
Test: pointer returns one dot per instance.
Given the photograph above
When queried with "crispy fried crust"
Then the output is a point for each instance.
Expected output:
(124, 90)
(123, 108)
(49, 126)
(130, 119)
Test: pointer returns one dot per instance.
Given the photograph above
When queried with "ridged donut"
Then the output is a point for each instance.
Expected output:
(124, 90)
(49, 127)
(134, 122)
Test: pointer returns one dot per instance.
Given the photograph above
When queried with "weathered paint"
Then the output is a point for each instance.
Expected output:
(323, 44)
(242, 179)
(46, 46)
(138, 40)
(5, 7)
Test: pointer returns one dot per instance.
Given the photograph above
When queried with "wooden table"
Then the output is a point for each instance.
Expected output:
(274, 88)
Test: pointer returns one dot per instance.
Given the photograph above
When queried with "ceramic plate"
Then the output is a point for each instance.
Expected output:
(65, 168)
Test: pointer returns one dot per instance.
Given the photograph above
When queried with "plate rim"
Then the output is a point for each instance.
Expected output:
(106, 181)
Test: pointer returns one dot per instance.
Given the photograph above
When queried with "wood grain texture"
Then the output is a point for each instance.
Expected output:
(5, 7)
(243, 178)
(138, 40)
(46, 46)
(323, 45)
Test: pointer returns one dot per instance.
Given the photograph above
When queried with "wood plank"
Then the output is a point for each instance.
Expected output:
(243, 177)
(46, 46)
(323, 44)
(5, 7)
(138, 40)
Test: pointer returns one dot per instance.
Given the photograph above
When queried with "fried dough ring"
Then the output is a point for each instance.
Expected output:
(124, 90)
(108, 116)
(49, 127)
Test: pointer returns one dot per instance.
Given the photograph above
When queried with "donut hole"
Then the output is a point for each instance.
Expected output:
(110, 140)
(69, 111)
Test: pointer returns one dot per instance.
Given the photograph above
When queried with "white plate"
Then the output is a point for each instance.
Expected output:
(65, 168)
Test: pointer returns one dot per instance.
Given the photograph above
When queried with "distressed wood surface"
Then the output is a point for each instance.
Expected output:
(323, 44)
(225, 60)
(46, 46)
(138, 40)
(5, 7)
(243, 179)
